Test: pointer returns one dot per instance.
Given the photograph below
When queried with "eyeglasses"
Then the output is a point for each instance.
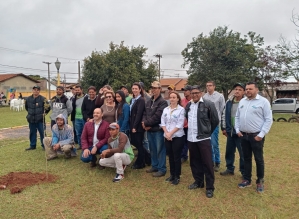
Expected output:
(108, 97)
(195, 93)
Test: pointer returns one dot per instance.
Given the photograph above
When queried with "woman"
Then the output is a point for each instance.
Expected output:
(137, 132)
(88, 104)
(108, 108)
(101, 97)
(123, 112)
(172, 123)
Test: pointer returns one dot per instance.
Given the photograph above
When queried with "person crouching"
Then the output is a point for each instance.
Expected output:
(119, 153)
(62, 141)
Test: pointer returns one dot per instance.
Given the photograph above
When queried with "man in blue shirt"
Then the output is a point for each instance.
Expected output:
(253, 121)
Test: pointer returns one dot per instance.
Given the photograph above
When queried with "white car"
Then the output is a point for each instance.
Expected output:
(285, 105)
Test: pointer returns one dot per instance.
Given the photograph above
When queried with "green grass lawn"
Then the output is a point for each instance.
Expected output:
(81, 192)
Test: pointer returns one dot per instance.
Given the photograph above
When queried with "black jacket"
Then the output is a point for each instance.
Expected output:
(36, 107)
(153, 112)
(88, 107)
(137, 110)
(207, 118)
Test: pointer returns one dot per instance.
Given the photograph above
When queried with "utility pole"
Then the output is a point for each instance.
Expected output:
(49, 93)
(79, 76)
(64, 81)
(159, 56)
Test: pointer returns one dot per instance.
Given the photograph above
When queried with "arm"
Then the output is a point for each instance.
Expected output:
(84, 137)
(70, 137)
(237, 122)
(126, 115)
(156, 117)
(221, 103)
(140, 109)
(223, 122)
(122, 142)
(267, 118)
(69, 107)
(99, 101)
(214, 118)
(84, 110)
(55, 138)
(104, 129)
(26, 105)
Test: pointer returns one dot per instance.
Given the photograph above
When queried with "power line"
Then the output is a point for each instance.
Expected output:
(31, 53)
(34, 69)
(174, 70)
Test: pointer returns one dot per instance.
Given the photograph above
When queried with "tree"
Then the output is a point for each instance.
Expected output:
(120, 65)
(224, 57)
(36, 77)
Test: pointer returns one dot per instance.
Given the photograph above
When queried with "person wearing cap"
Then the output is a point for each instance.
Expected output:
(94, 138)
(202, 119)
(119, 153)
(62, 141)
(227, 127)
(100, 100)
(184, 102)
(151, 123)
(60, 104)
(252, 122)
(218, 99)
(36, 106)
(127, 94)
(88, 104)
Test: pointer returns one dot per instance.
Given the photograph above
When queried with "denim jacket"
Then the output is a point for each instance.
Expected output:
(123, 119)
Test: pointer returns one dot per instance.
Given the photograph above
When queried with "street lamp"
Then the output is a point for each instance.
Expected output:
(57, 64)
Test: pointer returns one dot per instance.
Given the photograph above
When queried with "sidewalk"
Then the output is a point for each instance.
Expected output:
(18, 132)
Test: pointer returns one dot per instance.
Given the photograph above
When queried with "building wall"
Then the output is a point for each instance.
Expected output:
(21, 84)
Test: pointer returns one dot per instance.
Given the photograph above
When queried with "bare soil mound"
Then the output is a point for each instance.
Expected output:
(17, 181)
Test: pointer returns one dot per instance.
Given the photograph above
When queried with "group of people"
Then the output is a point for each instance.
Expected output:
(108, 123)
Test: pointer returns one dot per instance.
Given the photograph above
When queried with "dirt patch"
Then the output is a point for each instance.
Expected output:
(18, 181)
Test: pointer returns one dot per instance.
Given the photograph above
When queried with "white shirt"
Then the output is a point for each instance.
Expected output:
(192, 122)
(173, 118)
(95, 137)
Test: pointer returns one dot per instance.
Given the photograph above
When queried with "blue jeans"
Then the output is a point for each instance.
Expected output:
(34, 127)
(75, 134)
(79, 125)
(215, 146)
(93, 157)
(233, 142)
(158, 150)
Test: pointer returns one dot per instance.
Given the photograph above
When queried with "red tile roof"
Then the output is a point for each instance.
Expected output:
(179, 83)
(4, 77)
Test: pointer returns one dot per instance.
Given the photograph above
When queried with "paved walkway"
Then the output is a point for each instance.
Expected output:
(18, 132)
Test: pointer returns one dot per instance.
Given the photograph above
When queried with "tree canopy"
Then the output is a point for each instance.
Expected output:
(120, 65)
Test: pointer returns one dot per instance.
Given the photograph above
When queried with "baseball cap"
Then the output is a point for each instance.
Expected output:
(239, 84)
(113, 126)
(36, 87)
(156, 84)
(171, 86)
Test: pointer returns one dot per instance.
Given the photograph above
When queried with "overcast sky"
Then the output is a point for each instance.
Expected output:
(72, 29)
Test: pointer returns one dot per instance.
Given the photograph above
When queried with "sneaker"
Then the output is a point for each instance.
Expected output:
(151, 170)
(74, 152)
(59, 151)
(118, 177)
(196, 185)
(244, 184)
(209, 193)
(217, 167)
(176, 181)
(169, 179)
(226, 173)
(260, 188)
(67, 154)
(158, 174)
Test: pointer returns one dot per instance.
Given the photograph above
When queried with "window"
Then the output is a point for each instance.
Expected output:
(23, 88)
(289, 101)
(6, 87)
(17, 88)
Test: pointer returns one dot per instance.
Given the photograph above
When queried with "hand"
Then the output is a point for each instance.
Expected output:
(94, 150)
(239, 134)
(90, 120)
(143, 126)
(133, 130)
(224, 133)
(101, 91)
(56, 147)
(86, 153)
(147, 128)
(168, 136)
(104, 153)
(257, 138)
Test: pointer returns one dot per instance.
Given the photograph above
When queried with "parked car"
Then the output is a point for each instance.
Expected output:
(285, 105)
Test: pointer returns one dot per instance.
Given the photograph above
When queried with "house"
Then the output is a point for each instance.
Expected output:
(179, 83)
(288, 90)
(43, 83)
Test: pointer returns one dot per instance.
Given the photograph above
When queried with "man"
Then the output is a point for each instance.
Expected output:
(253, 122)
(184, 102)
(88, 104)
(94, 138)
(36, 106)
(119, 153)
(202, 119)
(126, 92)
(150, 122)
(77, 113)
(62, 140)
(60, 104)
(227, 127)
(219, 102)
(73, 119)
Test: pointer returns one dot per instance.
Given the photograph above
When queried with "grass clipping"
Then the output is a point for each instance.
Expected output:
(18, 181)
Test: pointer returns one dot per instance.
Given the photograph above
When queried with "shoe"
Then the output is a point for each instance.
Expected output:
(67, 154)
(184, 159)
(158, 174)
(209, 193)
(176, 181)
(244, 184)
(170, 179)
(196, 185)
(118, 177)
(226, 173)
(151, 170)
(260, 188)
(74, 152)
(51, 158)
(29, 149)
(101, 167)
(217, 167)
(59, 151)
(136, 167)
(93, 164)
